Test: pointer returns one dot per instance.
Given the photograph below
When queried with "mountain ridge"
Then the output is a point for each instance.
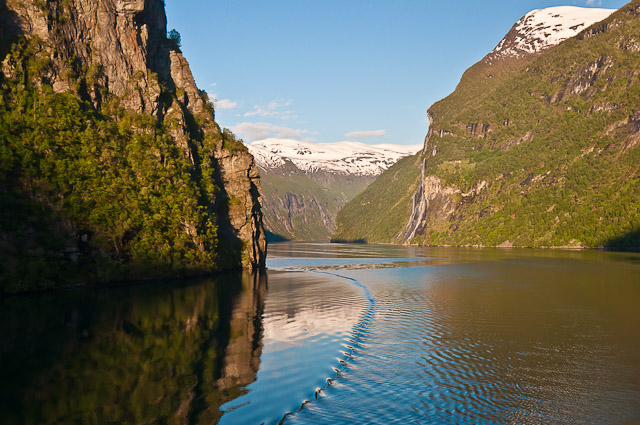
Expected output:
(538, 150)
(342, 157)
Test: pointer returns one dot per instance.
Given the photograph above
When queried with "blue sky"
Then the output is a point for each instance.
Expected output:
(333, 70)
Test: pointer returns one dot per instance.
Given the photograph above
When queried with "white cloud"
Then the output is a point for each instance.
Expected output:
(252, 131)
(225, 104)
(594, 2)
(365, 134)
(222, 103)
(213, 84)
(273, 109)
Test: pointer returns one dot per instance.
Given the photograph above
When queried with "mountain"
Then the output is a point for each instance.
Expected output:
(111, 163)
(542, 29)
(537, 146)
(304, 185)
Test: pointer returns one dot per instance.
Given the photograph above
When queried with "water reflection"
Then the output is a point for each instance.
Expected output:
(490, 336)
(159, 354)
(308, 321)
(417, 335)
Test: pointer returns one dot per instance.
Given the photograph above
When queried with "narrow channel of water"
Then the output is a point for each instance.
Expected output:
(338, 334)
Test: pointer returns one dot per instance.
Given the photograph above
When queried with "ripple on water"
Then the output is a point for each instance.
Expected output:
(309, 320)
(512, 342)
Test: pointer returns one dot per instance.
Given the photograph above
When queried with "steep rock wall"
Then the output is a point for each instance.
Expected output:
(115, 55)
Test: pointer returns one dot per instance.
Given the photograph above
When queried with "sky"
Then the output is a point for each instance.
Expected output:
(335, 70)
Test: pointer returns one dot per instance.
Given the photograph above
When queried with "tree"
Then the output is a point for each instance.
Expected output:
(175, 36)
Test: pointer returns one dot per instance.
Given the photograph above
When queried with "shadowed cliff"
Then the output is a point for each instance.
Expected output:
(112, 165)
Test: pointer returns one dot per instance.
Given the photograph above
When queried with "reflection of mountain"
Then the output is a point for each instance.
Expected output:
(146, 354)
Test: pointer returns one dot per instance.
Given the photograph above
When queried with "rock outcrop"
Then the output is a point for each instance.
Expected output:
(433, 203)
(115, 54)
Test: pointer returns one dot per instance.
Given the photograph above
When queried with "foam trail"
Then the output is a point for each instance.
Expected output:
(359, 330)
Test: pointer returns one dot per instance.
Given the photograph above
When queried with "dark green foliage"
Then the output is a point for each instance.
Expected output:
(115, 179)
(175, 37)
(231, 143)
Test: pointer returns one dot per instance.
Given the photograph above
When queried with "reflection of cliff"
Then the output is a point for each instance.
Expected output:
(136, 355)
(233, 366)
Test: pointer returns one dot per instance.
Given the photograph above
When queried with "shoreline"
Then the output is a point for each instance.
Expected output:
(564, 247)
(117, 284)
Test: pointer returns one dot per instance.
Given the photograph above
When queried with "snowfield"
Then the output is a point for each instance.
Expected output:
(340, 157)
(543, 28)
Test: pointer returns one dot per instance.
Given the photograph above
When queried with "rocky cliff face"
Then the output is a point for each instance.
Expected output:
(115, 55)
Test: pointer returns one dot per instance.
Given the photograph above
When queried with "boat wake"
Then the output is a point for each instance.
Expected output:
(354, 344)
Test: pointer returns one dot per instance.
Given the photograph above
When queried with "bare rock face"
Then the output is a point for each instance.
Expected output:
(120, 41)
(242, 185)
(433, 202)
(118, 50)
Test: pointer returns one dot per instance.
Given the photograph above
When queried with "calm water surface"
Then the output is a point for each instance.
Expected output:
(338, 334)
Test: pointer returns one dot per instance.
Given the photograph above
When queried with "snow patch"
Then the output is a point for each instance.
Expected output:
(543, 28)
(340, 157)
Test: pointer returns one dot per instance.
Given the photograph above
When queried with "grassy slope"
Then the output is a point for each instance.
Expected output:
(563, 172)
(373, 215)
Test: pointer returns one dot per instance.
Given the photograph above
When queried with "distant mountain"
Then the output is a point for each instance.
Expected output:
(304, 185)
(539, 145)
(351, 158)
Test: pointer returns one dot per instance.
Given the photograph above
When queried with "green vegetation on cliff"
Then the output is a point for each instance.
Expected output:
(120, 178)
(380, 205)
(538, 151)
(94, 188)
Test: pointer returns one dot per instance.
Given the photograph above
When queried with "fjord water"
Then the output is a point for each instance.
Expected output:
(336, 334)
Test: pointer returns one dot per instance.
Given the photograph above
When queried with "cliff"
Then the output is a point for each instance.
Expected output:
(112, 152)
(537, 146)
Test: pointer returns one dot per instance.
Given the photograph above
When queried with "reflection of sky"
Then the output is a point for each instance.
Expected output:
(282, 330)
(308, 318)
(291, 263)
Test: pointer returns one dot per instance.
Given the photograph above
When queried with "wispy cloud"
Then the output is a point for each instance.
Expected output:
(365, 134)
(273, 109)
(251, 131)
(222, 103)
(225, 104)
(594, 2)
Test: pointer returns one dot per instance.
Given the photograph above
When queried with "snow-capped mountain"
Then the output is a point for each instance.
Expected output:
(541, 29)
(341, 157)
